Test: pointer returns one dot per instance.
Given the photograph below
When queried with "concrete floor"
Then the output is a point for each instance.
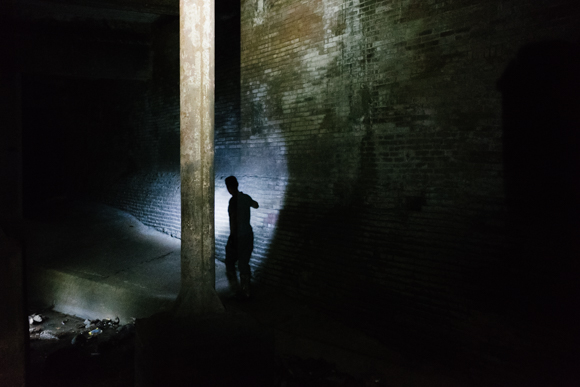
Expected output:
(94, 261)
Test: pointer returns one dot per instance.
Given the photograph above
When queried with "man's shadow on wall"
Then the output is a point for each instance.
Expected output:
(541, 134)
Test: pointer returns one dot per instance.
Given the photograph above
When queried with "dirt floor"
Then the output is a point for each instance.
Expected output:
(69, 351)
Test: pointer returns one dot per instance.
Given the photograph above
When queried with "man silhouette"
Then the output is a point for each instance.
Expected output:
(241, 240)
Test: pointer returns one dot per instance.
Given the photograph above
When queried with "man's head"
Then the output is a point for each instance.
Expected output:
(232, 184)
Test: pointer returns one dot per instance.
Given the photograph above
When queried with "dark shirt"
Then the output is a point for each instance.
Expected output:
(239, 211)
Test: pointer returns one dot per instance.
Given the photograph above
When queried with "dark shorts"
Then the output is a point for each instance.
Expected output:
(239, 249)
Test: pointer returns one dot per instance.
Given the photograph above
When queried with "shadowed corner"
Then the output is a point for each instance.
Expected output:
(541, 134)
(532, 283)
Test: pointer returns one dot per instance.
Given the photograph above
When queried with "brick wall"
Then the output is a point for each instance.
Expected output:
(372, 136)
(153, 198)
(106, 128)
(227, 83)
(150, 189)
(82, 88)
(77, 137)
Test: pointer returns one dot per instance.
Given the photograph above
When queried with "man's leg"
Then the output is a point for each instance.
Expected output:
(231, 258)
(246, 246)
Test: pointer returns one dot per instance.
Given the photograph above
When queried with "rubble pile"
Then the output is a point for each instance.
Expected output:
(41, 329)
(69, 351)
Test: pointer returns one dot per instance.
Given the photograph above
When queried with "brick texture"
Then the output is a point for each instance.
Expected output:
(150, 188)
(371, 134)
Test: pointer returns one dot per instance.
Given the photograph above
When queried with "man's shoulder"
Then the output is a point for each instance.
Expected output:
(245, 198)
(243, 195)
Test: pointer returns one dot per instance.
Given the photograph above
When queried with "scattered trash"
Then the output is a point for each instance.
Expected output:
(108, 322)
(116, 342)
(47, 335)
(34, 318)
(68, 355)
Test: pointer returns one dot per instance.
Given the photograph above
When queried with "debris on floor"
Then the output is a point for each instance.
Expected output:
(47, 335)
(34, 319)
(71, 351)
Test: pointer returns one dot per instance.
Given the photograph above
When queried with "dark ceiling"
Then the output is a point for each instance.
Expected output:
(123, 7)
(92, 35)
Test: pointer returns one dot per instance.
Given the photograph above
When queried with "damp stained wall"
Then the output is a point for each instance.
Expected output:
(372, 134)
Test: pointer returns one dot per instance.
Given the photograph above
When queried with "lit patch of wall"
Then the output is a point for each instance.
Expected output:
(269, 192)
(256, 152)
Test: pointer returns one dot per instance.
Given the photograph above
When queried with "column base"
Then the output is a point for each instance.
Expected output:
(197, 300)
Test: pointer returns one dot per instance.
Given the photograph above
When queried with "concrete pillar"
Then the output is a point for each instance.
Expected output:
(197, 295)
(199, 344)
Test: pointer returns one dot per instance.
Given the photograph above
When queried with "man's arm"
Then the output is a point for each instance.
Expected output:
(254, 204)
